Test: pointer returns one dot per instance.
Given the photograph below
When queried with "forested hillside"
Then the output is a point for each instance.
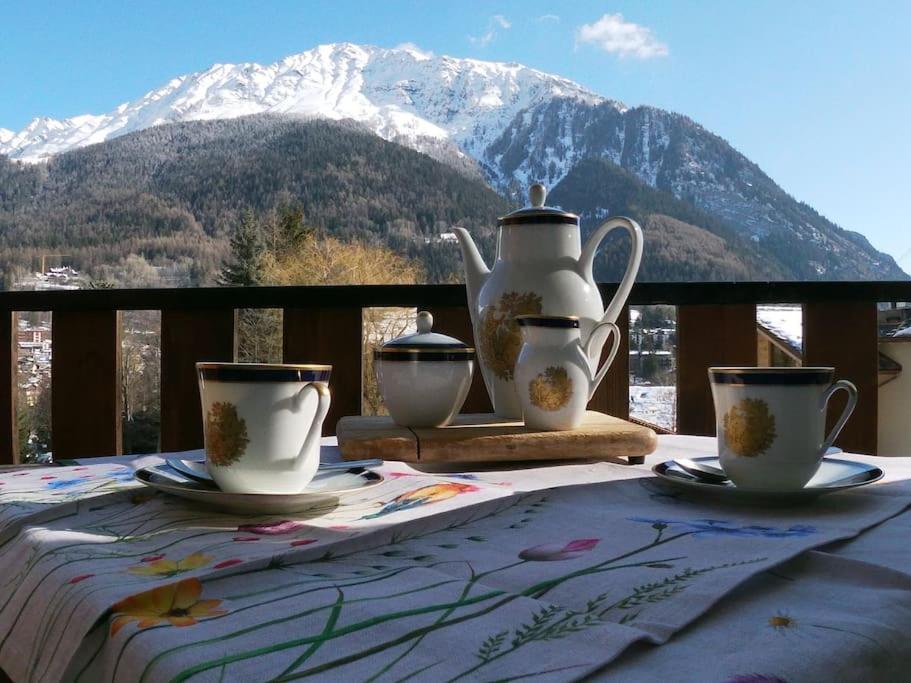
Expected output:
(176, 193)
(681, 242)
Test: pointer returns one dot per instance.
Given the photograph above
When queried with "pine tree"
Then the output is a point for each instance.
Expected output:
(245, 267)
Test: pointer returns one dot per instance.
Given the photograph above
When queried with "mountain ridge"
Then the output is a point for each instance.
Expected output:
(384, 88)
(510, 124)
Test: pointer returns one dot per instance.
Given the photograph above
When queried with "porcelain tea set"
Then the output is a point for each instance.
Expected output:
(539, 329)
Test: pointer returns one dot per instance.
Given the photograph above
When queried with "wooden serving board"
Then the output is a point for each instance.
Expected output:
(488, 438)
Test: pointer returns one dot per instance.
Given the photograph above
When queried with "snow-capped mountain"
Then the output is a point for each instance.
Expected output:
(401, 94)
(514, 124)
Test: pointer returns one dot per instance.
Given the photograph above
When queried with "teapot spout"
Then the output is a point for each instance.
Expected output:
(476, 271)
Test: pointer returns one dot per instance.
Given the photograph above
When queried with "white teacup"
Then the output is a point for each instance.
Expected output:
(771, 423)
(263, 424)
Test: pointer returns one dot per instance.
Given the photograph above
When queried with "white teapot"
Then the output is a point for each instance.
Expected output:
(541, 268)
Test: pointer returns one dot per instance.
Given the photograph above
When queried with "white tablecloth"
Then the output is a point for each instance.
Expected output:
(546, 573)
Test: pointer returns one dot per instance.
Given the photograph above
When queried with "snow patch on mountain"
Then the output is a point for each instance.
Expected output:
(402, 94)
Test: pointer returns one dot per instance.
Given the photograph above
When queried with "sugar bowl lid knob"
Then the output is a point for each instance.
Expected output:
(424, 322)
(537, 195)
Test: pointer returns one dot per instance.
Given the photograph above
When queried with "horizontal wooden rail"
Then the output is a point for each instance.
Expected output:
(716, 325)
(366, 296)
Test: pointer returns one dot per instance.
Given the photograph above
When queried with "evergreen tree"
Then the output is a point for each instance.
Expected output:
(245, 267)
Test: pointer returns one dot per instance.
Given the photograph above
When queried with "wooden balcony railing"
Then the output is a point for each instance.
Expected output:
(716, 326)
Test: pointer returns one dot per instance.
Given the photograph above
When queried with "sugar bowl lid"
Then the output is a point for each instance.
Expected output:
(538, 213)
(425, 345)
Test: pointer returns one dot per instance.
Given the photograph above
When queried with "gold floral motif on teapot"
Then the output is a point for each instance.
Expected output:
(226, 434)
(551, 389)
(749, 427)
(499, 337)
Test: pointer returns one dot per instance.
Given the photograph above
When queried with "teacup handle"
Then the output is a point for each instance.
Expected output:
(605, 366)
(845, 414)
(316, 431)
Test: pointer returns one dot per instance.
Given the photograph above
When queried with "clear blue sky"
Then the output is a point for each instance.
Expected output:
(817, 93)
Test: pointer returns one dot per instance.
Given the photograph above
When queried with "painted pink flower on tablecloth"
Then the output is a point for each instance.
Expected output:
(152, 558)
(227, 563)
(551, 552)
(81, 577)
(285, 526)
(302, 541)
(244, 539)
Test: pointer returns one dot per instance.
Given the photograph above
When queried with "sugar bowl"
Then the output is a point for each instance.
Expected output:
(424, 377)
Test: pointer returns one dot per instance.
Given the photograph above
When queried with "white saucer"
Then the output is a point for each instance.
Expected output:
(324, 490)
(833, 475)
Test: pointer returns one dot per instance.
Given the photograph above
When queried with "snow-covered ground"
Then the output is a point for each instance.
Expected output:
(783, 320)
(655, 404)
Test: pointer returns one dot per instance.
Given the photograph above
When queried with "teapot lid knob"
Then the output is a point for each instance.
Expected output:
(537, 194)
(424, 322)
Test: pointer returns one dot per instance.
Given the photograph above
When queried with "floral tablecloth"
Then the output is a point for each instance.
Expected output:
(549, 574)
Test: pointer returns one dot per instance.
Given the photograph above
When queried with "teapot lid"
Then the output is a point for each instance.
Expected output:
(425, 345)
(537, 213)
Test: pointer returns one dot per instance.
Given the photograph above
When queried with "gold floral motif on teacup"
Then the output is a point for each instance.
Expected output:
(551, 389)
(226, 434)
(749, 427)
(499, 338)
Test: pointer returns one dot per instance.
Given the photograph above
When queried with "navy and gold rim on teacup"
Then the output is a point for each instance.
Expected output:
(263, 372)
(430, 352)
(771, 376)
(558, 321)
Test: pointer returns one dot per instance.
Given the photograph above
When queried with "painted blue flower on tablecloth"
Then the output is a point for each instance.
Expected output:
(57, 484)
(722, 527)
(122, 474)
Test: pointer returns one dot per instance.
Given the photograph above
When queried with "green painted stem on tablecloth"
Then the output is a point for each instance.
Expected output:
(527, 593)
(357, 582)
(330, 624)
(357, 626)
(419, 632)
(541, 588)
(465, 591)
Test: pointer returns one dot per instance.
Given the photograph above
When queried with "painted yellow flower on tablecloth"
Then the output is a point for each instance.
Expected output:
(165, 567)
(749, 427)
(781, 621)
(177, 603)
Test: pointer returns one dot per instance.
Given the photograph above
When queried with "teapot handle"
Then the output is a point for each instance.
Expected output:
(602, 371)
(587, 259)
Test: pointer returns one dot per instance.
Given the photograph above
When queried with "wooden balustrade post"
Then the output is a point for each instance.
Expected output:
(844, 335)
(456, 322)
(709, 336)
(332, 336)
(612, 397)
(187, 337)
(9, 389)
(86, 417)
